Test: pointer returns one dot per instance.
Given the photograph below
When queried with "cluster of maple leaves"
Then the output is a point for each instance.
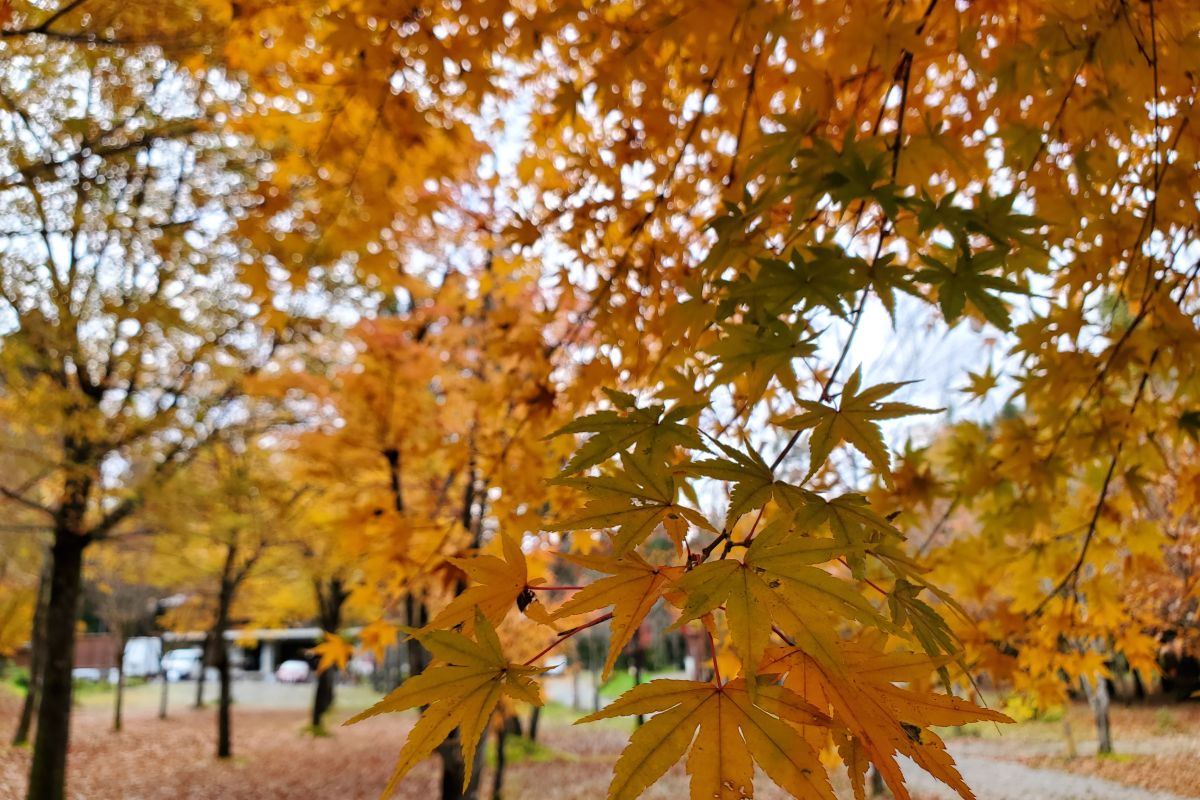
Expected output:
(708, 200)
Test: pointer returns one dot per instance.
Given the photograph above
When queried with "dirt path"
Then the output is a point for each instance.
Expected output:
(993, 777)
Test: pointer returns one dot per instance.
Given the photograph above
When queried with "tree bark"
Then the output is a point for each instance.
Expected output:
(120, 696)
(498, 777)
(534, 716)
(417, 615)
(48, 770)
(36, 656)
(639, 654)
(1096, 692)
(875, 783)
(221, 654)
(330, 601)
(454, 768)
(162, 696)
(205, 650)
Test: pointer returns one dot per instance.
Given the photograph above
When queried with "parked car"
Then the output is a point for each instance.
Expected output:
(143, 656)
(293, 671)
(183, 664)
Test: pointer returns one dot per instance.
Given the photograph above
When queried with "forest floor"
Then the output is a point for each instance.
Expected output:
(1158, 755)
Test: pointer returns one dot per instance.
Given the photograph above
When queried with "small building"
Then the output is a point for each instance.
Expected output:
(257, 651)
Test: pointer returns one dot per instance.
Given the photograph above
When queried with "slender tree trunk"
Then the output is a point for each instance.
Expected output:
(454, 768)
(120, 696)
(48, 771)
(224, 722)
(221, 653)
(1096, 692)
(418, 616)
(162, 695)
(330, 599)
(498, 777)
(595, 681)
(534, 716)
(639, 654)
(37, 656)
(205, 650)
(323, 697)
(875, 783)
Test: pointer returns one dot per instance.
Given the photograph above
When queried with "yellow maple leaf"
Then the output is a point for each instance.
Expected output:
(632, 588)
(735, 732)
(497, 585)
(460, 689)
(377, 637)
(883, 718)
(333, 651)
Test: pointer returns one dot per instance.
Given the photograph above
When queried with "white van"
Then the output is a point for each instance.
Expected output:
(142, 656)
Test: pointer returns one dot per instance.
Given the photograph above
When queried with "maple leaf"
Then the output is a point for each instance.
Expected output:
(849, 518)
(969, 280)
(632, 588)
(652, 430)
(333, 652)
(980, 383)
(634, 502)
(753, 481)
(727, 730)
(461, 690)
(377, 636)
(757, 353)
(498, 585)
(775, 585)
(853, 421)
(885, 719)
(824, 280)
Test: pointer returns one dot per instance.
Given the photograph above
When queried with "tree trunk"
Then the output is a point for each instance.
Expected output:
(205, 650)
(875, 783)
(221, 654)
(48, 771)
(1069, 736)
(1097, 694)
(37, 656)
(595, 688)
(120, 696)
(162, 696)
(330, 602)
(224, 723)
(323, 698)
(498, 777)
(534, 716)
(417, 615)
(454, 768)
(638, 657)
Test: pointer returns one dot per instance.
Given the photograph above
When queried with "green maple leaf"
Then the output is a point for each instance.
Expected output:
(852, 421)
(825, 280)
(652, 430)
(761, 352)
(634, 500)
(969, 279)
(752, 479)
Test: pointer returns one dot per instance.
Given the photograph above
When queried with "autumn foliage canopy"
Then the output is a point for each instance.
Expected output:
(571, 310)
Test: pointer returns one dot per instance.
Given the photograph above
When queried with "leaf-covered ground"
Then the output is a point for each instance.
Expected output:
(172, 759)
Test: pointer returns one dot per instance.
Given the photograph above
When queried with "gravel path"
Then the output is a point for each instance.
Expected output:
(994, 779)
